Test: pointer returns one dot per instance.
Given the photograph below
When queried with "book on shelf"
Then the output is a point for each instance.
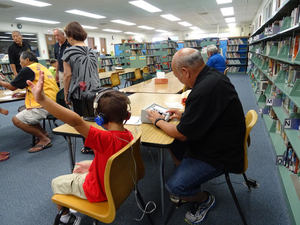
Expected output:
(295, 46)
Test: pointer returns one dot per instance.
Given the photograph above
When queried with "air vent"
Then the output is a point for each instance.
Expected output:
(202, 13)
(3, 6)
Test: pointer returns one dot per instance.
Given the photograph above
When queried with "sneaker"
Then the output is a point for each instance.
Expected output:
(197, 214)
(73, 220)
(177, 201)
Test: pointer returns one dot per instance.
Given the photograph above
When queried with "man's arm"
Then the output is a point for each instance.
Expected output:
(57, 110)
(7, 85)
(14, 69)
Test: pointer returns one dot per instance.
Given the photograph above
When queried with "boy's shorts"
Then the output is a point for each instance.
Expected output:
(32, 116)
(70, 184)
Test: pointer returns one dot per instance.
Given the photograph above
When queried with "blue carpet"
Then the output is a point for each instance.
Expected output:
(25, 197)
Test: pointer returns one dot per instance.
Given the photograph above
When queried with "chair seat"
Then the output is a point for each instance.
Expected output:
(98, 210)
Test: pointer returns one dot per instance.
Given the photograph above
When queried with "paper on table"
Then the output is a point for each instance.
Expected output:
(134, 120)
(174, 105)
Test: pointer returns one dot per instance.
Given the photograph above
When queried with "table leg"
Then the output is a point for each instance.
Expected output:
(71, 152)
(162, 180)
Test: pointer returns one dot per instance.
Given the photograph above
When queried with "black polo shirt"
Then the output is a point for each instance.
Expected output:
(214, 122)
(59, 52)
(14, 52)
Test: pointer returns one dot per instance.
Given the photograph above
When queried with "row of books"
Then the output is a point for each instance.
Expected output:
(151, 46)
(188, 44)
(4, 57)
(170, 51)
(5, 68)
(236, 42)
(290, 160)
(233, 61)
(135, 52)
(170, 44)
(236, 48)
(106, 62)
(152, 51)
(150, 60)
(233, 69)
(233, 55)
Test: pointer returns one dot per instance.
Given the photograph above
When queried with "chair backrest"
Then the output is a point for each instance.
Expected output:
(101, 70)
(226, 70)
(115, 79)
(123, 170)
(138, 74)
(146, 69)
(250, 119)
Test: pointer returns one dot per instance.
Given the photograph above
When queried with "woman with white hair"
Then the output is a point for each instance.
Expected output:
(215, 60)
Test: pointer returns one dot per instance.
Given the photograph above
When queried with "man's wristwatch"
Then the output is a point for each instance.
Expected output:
(158, 119)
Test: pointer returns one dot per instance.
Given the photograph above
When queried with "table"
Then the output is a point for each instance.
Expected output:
(6, 95)
(172, 87)
(151, 135)
(106, 75)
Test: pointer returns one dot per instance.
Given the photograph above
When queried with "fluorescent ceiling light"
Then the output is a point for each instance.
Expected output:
(186, 24)
(83, 13)
(29, 38)
(231, 24)
(196, 29)
(33, 3)
(4, 37)
(162, 31)
(170, 17)
(146, 27)
(228, 11)
(23, 34)
(37, 20)
(129, 32)
(145, 6)
(89, 27)
(112, 30)
(123, 22)
(230, 20)
(219, 2)
(6, 40)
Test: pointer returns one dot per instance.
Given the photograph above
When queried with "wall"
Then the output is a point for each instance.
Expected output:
(42, 30)
(260, 12)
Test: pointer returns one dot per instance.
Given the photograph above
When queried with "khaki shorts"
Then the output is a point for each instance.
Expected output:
(32, 116)
(70, 184)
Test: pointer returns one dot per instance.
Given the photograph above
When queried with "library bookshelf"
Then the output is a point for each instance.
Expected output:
(274, 70)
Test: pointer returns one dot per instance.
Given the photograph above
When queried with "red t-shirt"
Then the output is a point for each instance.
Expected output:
(105, 144)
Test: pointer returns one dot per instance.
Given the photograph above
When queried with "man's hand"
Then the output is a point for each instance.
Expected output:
(82, 167)
(153, 115)
(37, 90)
(175, 114)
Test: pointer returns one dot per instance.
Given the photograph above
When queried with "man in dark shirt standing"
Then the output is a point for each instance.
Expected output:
(210, 135)
(59, 48)
(15, 50)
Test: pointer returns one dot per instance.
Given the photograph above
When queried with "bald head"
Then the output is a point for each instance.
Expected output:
(187, 57)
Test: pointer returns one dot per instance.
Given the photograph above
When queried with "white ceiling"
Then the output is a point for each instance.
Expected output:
(202, 13)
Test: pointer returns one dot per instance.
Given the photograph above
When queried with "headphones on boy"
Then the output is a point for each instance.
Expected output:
(101, 118)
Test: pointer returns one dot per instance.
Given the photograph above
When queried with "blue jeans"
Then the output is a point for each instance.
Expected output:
(189, 176)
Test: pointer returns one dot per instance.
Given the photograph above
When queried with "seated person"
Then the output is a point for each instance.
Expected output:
(210, 135)
(29, 119)
(52, 67)
(215, 60)
(87, 179)
(3, 155)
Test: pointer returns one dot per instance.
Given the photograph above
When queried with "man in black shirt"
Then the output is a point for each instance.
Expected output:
(15, 50)
(59, 48)
(210, 135)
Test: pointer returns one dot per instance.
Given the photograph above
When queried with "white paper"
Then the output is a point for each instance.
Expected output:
(134, 120)
(160, 74)
(174, 105)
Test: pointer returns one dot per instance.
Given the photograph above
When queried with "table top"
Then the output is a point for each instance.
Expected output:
(6, 95)
(150, 134)
(172, 87)
(105, 75)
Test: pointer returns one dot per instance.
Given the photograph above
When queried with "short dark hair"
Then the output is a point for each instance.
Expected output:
(75, 31)
(114, 106)
(29, 55)
(52, 61)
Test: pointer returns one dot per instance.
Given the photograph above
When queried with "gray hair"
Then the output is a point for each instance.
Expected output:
(59, 30)
(192, 60)
(212, 49)
(16, 31)
(29, 55)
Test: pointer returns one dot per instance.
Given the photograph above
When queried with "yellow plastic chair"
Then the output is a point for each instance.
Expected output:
(226, 71)
(114, 81)
(251, 119)
(137, 77)
(122, 172)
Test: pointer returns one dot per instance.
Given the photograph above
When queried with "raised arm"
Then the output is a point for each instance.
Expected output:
(57, 110)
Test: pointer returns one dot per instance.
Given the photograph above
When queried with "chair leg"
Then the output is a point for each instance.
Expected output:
(33, 141)
(249, 182)
(235, 198)
(44, 124)
(58, 215)
(140, 198)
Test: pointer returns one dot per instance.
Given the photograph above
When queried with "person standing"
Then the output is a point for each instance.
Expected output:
(59, 48)
(15, 50)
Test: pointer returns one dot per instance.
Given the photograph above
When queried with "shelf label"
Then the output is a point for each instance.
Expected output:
(142, 57)
(132, 57)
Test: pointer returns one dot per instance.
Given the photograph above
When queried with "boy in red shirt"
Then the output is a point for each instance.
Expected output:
(87, 179)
